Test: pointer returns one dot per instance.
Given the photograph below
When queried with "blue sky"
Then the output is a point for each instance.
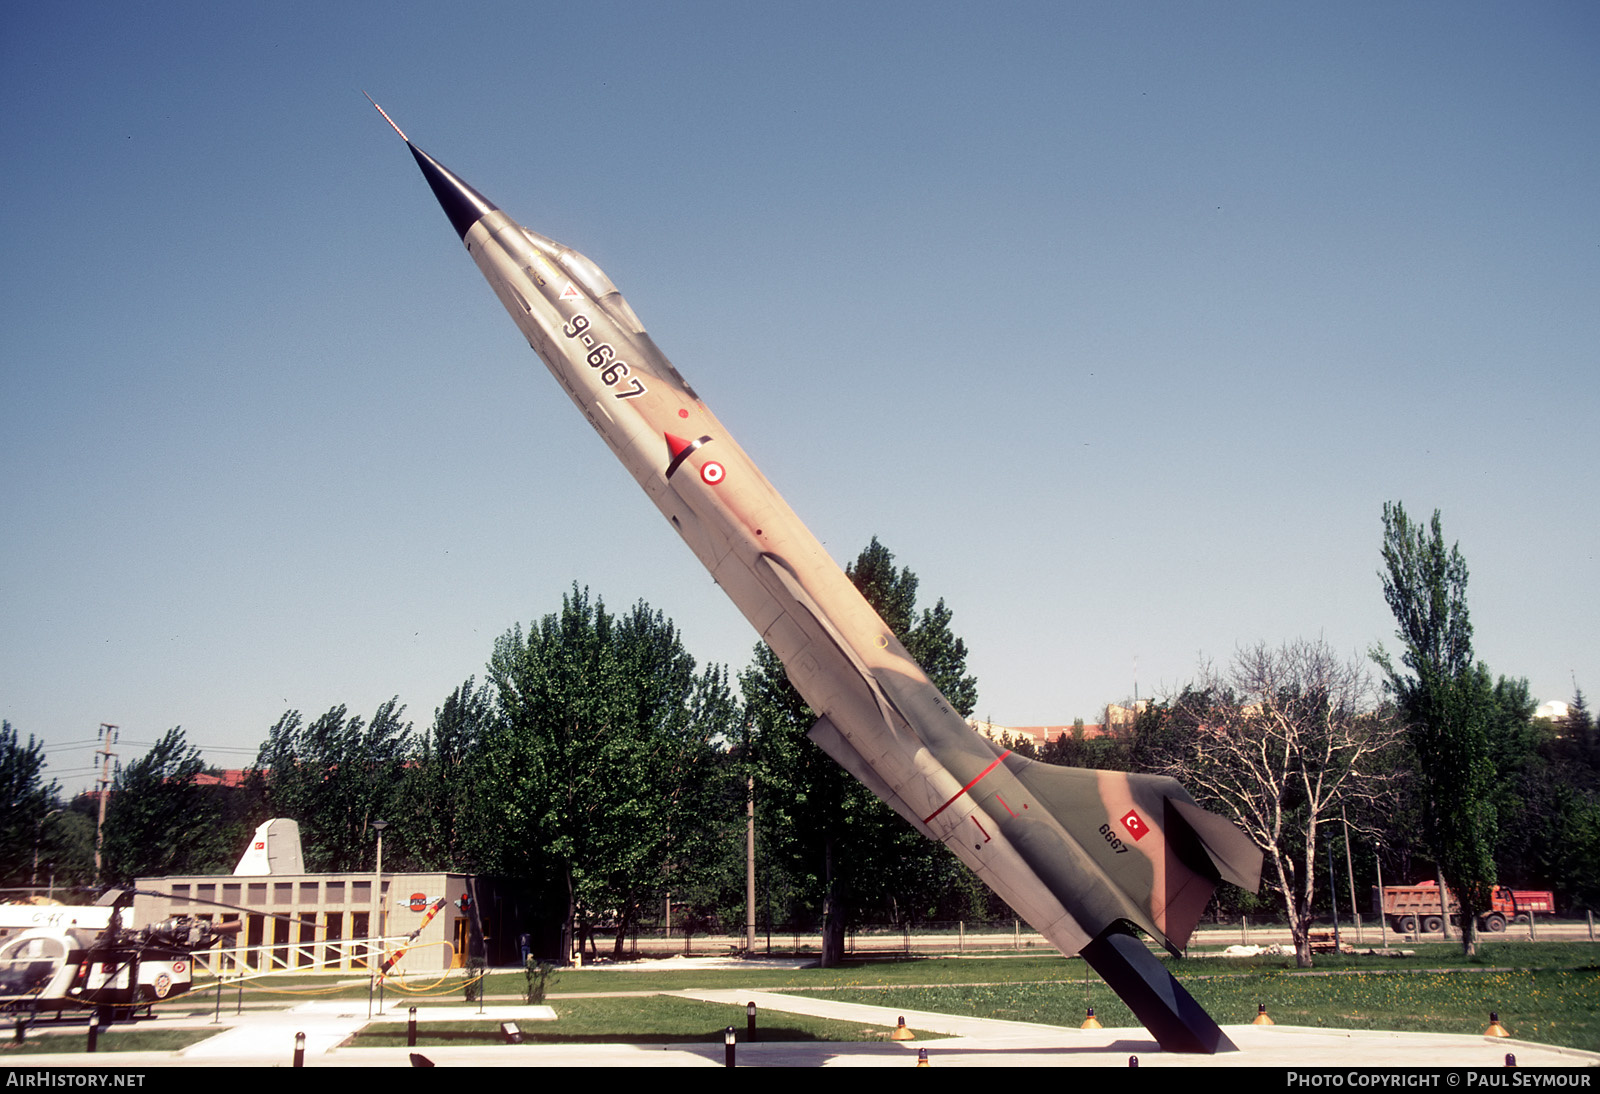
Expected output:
(1118, 323)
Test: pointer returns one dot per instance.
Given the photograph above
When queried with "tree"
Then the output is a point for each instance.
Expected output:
(1578, 729)
(336, 777)
(1549, 804)
(927, 638)
(66, 846)
(1281, 741)
(1106, 752)
(830, 845)
(1447, 703)
(594, 779)
(25, 801)
(159, 821)
(1518, 791)
(438, 790)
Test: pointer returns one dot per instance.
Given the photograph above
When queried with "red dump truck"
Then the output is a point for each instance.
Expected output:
(1408, 906)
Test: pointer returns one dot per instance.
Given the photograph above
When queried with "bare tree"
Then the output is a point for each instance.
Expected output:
(1280, 740)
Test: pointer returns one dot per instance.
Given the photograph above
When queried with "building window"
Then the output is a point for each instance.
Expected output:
(331, 957)
(358, 929)
(306, 954)
(280, 943)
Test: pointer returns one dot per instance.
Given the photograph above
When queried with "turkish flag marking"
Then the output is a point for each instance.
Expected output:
(1135, 825)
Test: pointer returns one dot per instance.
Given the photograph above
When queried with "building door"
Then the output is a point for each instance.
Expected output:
(332, 958)
(358, 929)
(280, 943)
(252, 940)
(306, 955)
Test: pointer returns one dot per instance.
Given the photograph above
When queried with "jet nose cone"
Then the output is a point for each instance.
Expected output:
(462, 204)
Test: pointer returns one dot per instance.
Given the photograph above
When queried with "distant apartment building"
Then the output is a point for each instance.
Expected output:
(1115, 720)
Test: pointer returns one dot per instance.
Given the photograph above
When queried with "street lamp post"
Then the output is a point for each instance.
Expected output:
(374, 927)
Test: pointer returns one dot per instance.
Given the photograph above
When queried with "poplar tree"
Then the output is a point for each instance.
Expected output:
(336, 777)
(1447, 703)
(25, 800)
(160, 821)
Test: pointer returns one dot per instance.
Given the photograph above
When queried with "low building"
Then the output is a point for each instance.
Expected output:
(319, 921)
(289, 919)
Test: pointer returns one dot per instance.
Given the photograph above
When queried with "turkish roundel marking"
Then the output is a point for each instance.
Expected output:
(679, 450)
(1134, 823)
(712, 473)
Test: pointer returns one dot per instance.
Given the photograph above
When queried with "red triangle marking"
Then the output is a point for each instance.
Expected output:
(675, 445)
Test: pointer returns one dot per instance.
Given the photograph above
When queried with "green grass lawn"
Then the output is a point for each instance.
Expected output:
(134, 1040)
(1038, 966)
(1560, 1007)
(659, 1019)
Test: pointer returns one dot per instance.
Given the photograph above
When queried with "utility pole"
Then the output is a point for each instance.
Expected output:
(107, 737)
(749, 846)
(750, 866)
(375, 916)
(1350, 872)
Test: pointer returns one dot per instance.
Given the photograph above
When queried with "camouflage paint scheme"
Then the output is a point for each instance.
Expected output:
(1074, 852)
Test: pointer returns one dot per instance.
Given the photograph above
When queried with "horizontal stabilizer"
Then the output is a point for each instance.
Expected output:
(1233, 854)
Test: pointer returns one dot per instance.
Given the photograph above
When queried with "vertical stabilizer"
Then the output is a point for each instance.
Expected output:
(274, 849)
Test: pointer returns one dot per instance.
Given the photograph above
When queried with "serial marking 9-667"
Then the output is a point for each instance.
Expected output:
(603, 357)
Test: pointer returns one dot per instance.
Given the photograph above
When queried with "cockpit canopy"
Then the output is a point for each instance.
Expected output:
(599, 286)
(28, 963)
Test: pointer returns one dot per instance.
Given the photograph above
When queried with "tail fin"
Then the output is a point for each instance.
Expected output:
(274, 849)
(1174, 852)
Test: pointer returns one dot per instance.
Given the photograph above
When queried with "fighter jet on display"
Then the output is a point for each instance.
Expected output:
(1083, 856)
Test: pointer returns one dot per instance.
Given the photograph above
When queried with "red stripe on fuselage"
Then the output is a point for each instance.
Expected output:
(977, 779)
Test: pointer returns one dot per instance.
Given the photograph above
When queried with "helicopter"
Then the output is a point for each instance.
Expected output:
(81, 957)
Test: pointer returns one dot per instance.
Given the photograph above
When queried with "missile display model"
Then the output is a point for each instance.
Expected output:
(1083, 856)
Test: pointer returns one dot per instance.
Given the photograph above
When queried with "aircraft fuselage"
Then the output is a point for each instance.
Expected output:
(1076, 853)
